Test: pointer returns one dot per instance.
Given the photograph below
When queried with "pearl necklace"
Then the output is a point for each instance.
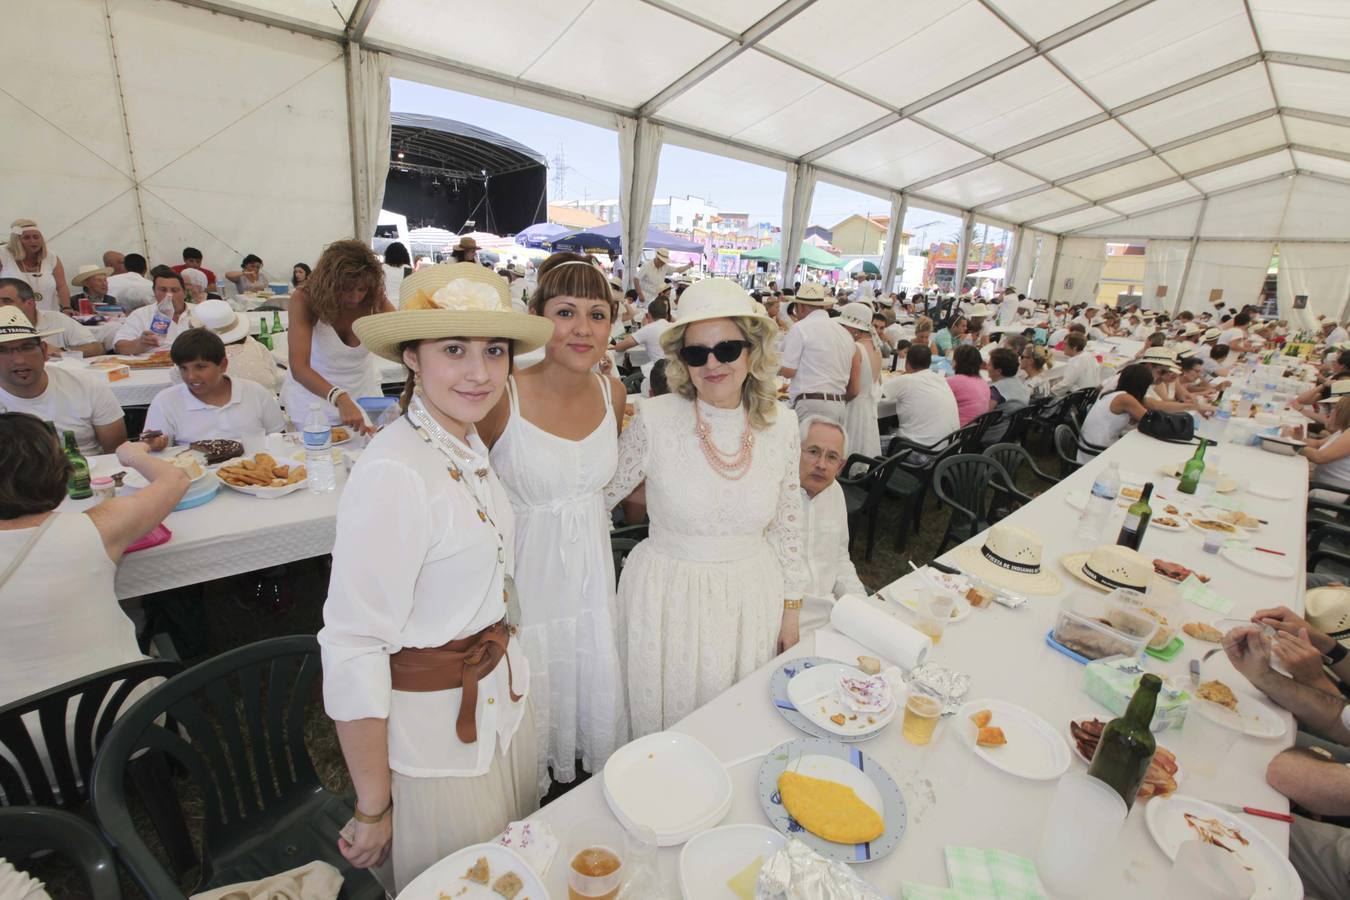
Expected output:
(732, 468)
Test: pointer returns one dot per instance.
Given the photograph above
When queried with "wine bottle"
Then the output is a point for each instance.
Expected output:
(1127, 746)
(78, 485)
(1136, 520)
(1194, 468)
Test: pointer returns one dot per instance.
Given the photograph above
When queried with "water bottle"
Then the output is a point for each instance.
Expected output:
(319, 451)
(1101, 503)
(163, 318)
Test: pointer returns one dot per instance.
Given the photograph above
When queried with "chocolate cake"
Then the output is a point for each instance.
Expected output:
(217, 450)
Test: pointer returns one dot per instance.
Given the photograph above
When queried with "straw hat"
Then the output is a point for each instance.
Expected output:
(467, 243)
(451, 300)
(1185, 350)
(812, 293)
(1211, 334)
(662, 254)
(87, 272)
(1011, 557)
(14, 326)
(1162, 356)
(717, 298)
(857, 316)
(1328, 610)
(978, 311)
(1336, 390)
(217, 316)
(1110, 566)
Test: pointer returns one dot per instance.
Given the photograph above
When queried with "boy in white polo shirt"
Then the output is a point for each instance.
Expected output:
(208, 404)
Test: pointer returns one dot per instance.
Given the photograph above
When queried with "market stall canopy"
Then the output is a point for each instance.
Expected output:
(537, 235)
(811, 256)
(606, 238)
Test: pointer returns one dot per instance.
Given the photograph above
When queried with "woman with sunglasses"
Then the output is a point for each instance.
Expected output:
(716, 589)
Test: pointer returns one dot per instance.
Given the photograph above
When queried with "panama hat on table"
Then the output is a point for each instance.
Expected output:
(1010, 557)
(1112, 566)
(451, 300)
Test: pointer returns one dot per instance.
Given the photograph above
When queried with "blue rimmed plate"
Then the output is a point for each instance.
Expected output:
(847, 765)
(782, 701)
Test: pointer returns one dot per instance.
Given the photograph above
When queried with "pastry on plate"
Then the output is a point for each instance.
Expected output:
(508, 885)
(1203, 632)
(1217, 692)
(981, 718)
(990, 736)
(479, 872)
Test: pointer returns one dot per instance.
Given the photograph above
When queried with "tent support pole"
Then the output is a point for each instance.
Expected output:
(1185, 276)
(1054, 270)
(126, 129)
(1011, 274)
(963, 253)
(355, 145)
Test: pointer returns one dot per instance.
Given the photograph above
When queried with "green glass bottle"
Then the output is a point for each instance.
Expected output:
(262, 326)
(277, 327)
(78, 486)
(1136, 521)
(1194, 468)
(264, 338)
(1127, 746)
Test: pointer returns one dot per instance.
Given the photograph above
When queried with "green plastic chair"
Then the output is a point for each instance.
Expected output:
(24, 830)
(240, 739)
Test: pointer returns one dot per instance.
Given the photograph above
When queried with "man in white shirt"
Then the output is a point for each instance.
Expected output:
(131, 288)
(1081, 371)
(137, 334)
(818, 355)
(924, 406)
(825, 522)
(71, 401)
(1235, 337)
(1007, 307)
(1334, 333)
(209, 404)
(651, 278)
(65, 333)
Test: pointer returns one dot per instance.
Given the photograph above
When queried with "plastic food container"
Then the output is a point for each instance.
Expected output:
(1273, 443)
(1096, 626)
(1166, 606)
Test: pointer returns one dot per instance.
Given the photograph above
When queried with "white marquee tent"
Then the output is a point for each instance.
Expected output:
(1216, 130)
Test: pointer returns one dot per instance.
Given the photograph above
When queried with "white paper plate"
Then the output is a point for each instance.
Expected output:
(669, 782)
(1104, 718)
(712, 857)
(266, 493)
(1181, 525)
(1237, 534)
(1035, 749)
(1267, 564)
(807, 686)
(445, 877)
(1218, 512)
(1260, 720)
(1269, 491)
(1274, 875)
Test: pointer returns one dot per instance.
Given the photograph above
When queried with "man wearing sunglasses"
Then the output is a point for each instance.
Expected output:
(819, 357)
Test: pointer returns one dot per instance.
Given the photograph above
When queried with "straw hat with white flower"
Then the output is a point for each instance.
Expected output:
(451, 300)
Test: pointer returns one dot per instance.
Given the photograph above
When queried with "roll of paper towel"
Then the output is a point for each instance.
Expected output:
(880, 632)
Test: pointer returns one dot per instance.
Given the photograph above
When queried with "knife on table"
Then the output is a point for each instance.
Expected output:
(1253, 811)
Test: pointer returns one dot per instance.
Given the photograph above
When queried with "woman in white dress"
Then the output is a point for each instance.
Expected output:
(27, 258)
(427, 688)
(716, 589)
(554, 439)
(328, 364)
(860, 413)
(1113, 413)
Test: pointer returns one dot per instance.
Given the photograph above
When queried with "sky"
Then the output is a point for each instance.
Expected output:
(591, 159)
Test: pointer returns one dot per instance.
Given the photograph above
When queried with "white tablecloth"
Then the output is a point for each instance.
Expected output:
(955, 798)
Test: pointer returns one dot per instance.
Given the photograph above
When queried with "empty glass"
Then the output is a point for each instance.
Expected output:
(1208, 734)
(1085, 817)
(934, 612)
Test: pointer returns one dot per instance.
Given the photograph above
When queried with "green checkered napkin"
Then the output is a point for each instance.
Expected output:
(1196, 591)
(927, 892)
(992, 875)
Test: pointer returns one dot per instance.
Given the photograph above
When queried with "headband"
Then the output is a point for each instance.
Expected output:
(20, 229)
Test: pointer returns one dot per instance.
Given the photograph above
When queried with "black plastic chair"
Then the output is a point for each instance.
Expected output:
(25, 830)
(981, 425)
(1013, 458)
(1048, 415)
(621, 543)
(977, 491)
(866, 481)
(96, 700)
(918, 466)
(241, 740)
(632, 383)
(1077, 404)
(1018, 423)
(1325, 510)
(1066, 447)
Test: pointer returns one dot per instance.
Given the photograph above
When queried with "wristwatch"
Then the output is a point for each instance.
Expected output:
(1337, 654)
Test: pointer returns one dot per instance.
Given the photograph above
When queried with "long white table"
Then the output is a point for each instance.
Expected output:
(953, 797)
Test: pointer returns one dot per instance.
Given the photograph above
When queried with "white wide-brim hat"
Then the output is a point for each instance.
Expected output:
(1328, 610)
(451, 300)
(857, 316)
(14, 326)
(813, 294)
(1011, 558)
(717, 298)
(1111, 566)
(219, 318)
(87, 272)
(978, 311)
(1161, 356)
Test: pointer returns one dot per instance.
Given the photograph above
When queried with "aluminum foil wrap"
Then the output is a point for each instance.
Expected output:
(941, 681)
(799, 873)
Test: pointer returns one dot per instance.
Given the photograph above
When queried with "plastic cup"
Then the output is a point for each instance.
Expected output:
(1213, 541)
(596, 852)
(1202, 871)
(254, 441)
(922, 714)
(1208, 734)
(1084, 820)
(935, 611)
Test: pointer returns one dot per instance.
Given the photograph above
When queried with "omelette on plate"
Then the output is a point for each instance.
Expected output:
(829, 809)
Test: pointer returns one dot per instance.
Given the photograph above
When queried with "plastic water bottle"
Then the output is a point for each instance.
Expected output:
(1101, 503)
(319, 451)
(1219, 428)
(163, 318)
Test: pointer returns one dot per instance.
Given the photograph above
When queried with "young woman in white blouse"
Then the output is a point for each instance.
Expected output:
(716, 589)
(421, 675)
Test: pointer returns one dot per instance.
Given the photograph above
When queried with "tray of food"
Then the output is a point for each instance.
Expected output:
(262, 476)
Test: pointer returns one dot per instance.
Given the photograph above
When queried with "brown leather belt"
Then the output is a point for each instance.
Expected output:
(457, 664)
(833, 397)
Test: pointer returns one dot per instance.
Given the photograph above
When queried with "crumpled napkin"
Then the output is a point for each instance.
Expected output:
(535, 843)
(799, 873)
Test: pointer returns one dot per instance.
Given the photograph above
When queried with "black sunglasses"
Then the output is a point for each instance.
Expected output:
(696, 356)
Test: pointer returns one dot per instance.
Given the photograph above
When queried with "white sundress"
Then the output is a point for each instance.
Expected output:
(860, 413)
(350, 368)
(565, 582)
(701, 599)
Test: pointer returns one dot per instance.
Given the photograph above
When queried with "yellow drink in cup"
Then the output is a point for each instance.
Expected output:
(934, 612)
(931, 628)
(921, 717)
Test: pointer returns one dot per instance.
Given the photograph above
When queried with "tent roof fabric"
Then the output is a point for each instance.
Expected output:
(457, 147)
(1061, 115)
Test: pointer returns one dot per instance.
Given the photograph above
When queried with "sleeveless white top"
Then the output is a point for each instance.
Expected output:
(565, 581)
(1337, 471)
(860, 413)
(1101, 427)
(350, 368)
(43, 282)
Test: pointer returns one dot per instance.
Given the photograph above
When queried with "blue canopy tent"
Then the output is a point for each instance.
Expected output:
(538, 235)
(606, 238)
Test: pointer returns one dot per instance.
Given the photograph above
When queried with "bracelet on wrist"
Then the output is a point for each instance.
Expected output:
(371, 820)
(792, 604)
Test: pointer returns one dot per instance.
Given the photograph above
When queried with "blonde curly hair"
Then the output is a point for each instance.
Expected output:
(759, 393)
(344, 266)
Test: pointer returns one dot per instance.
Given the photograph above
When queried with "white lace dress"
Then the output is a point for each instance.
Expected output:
(701, 600)
(860, 413)
(565, 581)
